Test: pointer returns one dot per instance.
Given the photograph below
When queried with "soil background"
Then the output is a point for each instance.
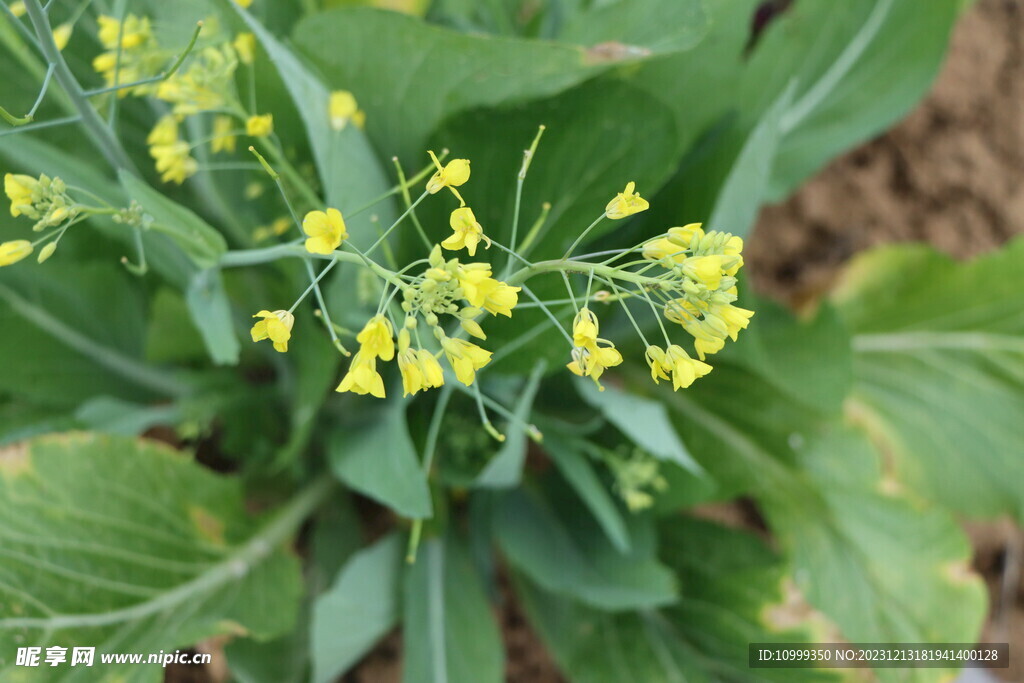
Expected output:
(951, 174)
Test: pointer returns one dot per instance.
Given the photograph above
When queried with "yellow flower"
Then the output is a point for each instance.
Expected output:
(174, 162)
(223, 139)
(61, 35)
(734, 317)
(136, 31)
(660, 248)
(245, 47)
(626, 203)
(733, 261)
(326, 231)
(279, 227)
(483, 291)
(705, 269)
(12, 252)
(244, 3)
(375, 340)
(17, 9)
(165, 132)
(19, 189)
(685, 235)
(684, 369)
(419, 367)
(342, 108)
(468, 232)
(454, 174)
(704, 341)
(362, 376)
(260, 126)
(658, 361)
(275, 326)
(585, 328)
(465, 358)
(592, 361)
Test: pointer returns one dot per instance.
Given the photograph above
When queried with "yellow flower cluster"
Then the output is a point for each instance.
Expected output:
(205, 85)
(44, 200)
(462, 291)
(140, 56)
(704, 266)
(591, 356)
(173, 155)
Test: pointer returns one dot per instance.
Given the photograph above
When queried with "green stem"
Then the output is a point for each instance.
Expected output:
(100, 134)
(582, 236)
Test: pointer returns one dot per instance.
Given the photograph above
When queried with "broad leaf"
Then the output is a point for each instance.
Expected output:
(128, 546)
(449, 631)
(359, 609)
(733, 588)
(433, 72)
(210, 309)
(939, 371)
(645, 421)
(379, 460)
(571, 556)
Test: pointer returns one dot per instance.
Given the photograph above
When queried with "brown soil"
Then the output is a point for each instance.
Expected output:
(950, 174)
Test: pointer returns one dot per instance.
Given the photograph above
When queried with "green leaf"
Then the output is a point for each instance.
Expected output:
(449, 630)
(349, 171)
(743, 190)
(645, 421)
(201, 242)
(67, 347)
(788, 352)
(358, 610)
(732, 589)
(939, 371)
(506, 468)
(126, 545)
(571, 556)
(577, 470)
(890, 57)
(210, 309)
(433, 72)
(113, 416)
(903, 564)
(653, 25)
(379, 460)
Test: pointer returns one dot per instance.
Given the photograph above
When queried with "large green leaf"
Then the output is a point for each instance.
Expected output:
(210, 308)
(359, 609)
(566, 552)
(128, 546)
(903, 564)
(431, 72)
(939, 371)
(449, 631)
(75, 335)
(644, 421)
(379, 460)
(732, 586)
